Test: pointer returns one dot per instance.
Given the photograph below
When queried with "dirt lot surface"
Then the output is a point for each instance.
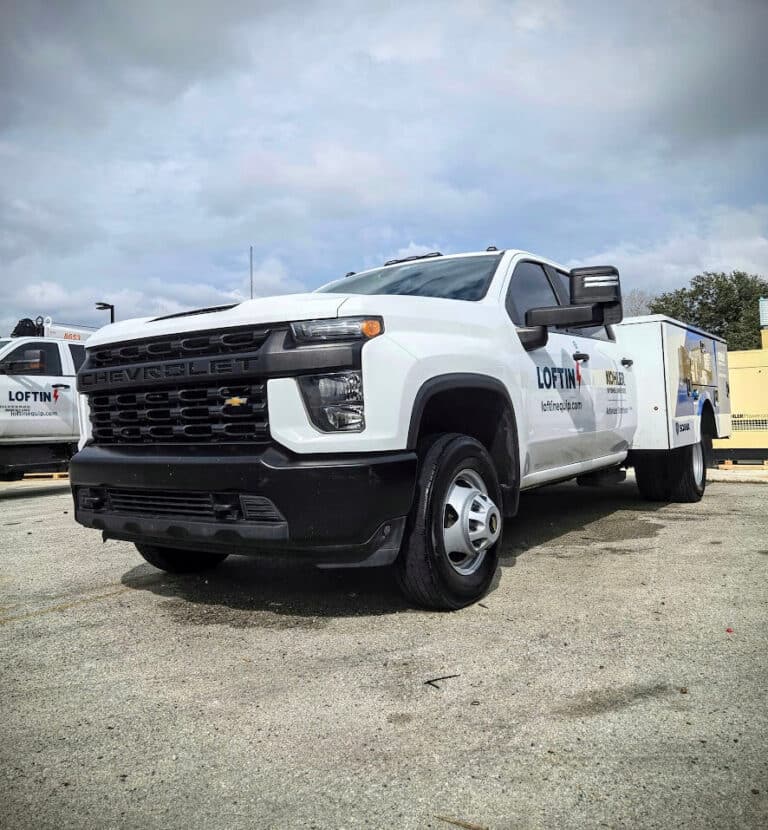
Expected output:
(616, 676)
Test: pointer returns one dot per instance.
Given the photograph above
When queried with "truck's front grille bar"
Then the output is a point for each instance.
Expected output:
(182, 413)
(180, 346)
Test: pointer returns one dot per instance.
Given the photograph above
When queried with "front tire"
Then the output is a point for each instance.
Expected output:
(176, 561)
(451, 550)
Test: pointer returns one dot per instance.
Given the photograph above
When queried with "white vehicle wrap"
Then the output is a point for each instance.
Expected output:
(39, 423)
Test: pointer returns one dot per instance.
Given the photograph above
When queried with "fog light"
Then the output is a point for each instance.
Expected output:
(89, 498)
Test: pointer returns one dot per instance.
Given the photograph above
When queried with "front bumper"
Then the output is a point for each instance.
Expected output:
(334, 510)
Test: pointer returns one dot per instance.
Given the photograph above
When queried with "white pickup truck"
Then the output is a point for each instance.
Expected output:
(390, 418)
(39, 423)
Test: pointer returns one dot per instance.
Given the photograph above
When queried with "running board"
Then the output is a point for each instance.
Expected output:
(602, 478)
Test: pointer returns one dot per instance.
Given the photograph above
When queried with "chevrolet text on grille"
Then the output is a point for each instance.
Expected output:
(200, 367)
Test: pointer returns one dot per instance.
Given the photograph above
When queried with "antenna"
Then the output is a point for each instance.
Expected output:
(251, 271)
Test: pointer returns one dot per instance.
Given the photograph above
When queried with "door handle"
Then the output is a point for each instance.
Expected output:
(625, 361)
(581, 356)
(60, 386)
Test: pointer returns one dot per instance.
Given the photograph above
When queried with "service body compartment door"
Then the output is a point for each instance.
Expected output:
(678, 371)
(643, 344)
(690, 365)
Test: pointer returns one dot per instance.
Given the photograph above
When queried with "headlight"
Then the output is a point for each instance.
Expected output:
(335, 402)
(340, 328)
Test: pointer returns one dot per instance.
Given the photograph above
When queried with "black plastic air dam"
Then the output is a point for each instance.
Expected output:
(338, 507)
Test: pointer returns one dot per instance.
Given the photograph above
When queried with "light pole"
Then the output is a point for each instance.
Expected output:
(107, 307)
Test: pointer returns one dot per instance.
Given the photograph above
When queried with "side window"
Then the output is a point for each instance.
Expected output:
(36, 359)
(529, 288)
(78, 356)
(563, 285)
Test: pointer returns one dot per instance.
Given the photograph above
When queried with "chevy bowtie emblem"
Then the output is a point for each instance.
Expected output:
(235, 401)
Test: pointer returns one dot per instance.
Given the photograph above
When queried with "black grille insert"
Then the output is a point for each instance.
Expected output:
(161, 503)
(217, 507)
(182, 413)
(178, 346)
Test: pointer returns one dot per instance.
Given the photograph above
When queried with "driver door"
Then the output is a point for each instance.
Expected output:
(555, 381)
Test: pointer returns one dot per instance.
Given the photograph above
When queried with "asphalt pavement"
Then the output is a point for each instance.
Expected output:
(615, 676)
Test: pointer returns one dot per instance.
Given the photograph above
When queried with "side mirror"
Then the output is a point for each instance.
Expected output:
(32, 362)
(598, 285)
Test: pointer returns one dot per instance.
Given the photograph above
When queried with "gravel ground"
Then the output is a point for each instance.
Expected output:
(616, 676)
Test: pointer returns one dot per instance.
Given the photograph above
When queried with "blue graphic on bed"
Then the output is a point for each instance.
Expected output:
(697, 361)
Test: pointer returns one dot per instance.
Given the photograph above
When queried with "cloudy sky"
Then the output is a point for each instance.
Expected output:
(144, 146)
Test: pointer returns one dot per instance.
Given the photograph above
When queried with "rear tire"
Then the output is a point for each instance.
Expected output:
(689, 473)
(652, 477)
(176, 561)
(12, 476)
(451, 549)
(678, 475)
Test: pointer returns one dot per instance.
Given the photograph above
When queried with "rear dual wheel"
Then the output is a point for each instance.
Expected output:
(451, 550)
(678, 475)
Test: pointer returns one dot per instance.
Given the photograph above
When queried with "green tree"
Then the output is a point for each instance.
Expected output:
(725, 304)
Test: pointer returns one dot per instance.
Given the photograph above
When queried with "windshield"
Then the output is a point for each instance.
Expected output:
(4, 343)
(463, 278)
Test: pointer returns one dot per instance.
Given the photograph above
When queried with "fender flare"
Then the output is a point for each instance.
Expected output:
(508, 449)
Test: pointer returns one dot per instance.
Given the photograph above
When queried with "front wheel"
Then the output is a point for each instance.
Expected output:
(451, 549)
(180, 561)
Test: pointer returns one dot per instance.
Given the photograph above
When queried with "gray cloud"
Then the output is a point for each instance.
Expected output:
(70, 62)
(144, 146)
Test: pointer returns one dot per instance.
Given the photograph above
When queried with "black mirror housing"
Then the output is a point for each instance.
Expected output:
(19, 367)
(599, 285)
(33, 360)
(533, 337)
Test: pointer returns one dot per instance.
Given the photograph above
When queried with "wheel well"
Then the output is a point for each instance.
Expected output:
(484, 413)
(708, 423)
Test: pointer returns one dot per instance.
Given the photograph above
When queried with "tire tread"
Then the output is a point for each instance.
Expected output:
(415, 569)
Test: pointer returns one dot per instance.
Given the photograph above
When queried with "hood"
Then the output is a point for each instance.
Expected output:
(281, 309)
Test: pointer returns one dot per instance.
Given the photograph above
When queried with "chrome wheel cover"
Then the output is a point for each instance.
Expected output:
(471, 522)
(697, 456)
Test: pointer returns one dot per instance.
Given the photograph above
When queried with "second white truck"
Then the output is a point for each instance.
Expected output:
(39, 420)
(391, 418)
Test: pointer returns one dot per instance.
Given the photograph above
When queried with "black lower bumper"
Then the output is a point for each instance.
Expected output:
(345, 509)
(27, 458)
